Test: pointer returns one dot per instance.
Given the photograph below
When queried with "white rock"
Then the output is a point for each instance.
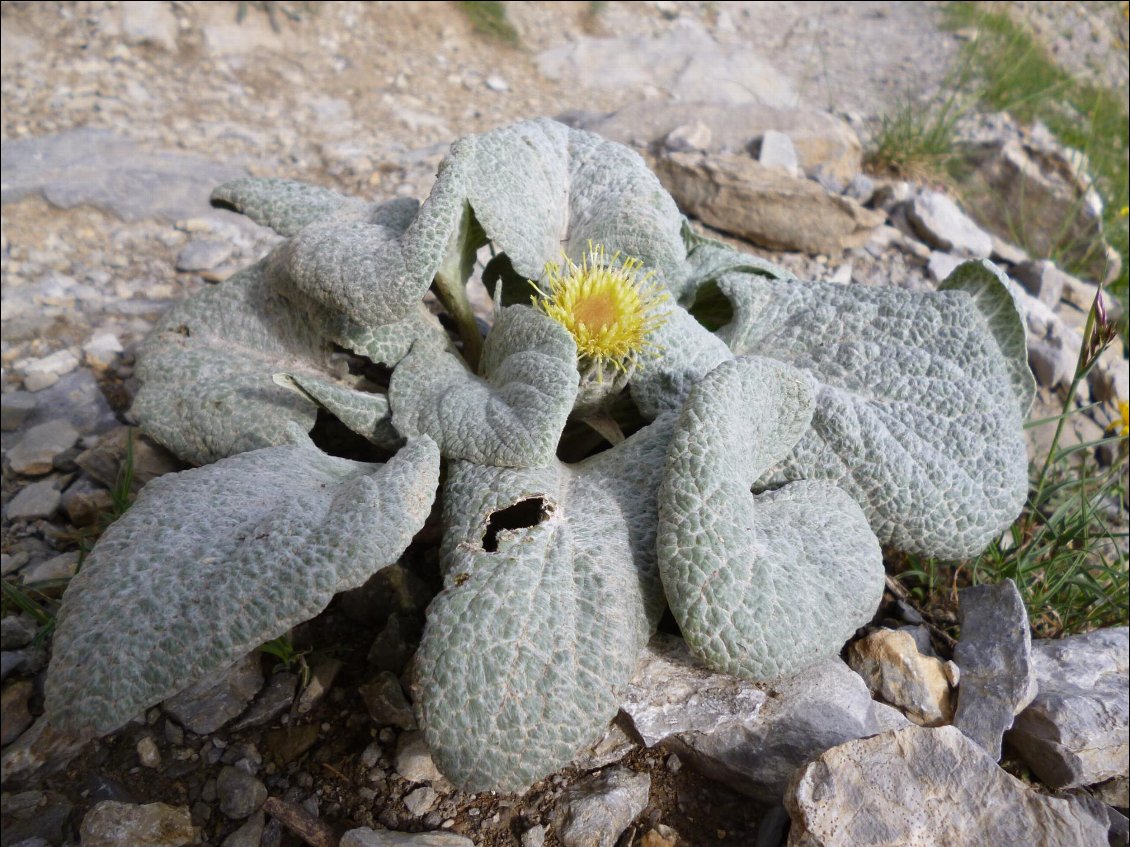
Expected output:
(898, 674)
(496, 83)
(102, 350)
(149, 22)
(689, 138)
(365, 837)
(38, 500)
(777, 151)
(941, 265)
(35, 452)
(597, 809)
(918, 786)
(995, 656)
(414, 760)
(62, 566)
(420, 801)
(113, 824)
(748, 736)
(1077, 730)
(938, 220)
(1042, 279)
(147, 753)
(57, 364)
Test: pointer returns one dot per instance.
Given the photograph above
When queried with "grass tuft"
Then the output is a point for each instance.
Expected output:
(488, 18)
(1066, 552)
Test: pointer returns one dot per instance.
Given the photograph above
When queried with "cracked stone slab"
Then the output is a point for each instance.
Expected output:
(919, 786)
(749, 736)
(1077, 730)
(995, 656)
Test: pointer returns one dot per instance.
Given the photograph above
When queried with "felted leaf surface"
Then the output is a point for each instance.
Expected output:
(686, 352)
(917, 416)
(365, 413)
(210, 563)
(761, 585)
(513, 416)
(389, 343)
(528, 648)
(284, 205)
(995, 295)
(206, 369)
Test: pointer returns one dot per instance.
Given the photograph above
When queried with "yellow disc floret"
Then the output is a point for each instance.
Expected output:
(609, 307)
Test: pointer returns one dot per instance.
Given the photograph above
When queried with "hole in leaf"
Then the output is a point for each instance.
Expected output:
(332, 436)
(522, 515)
(711, 307)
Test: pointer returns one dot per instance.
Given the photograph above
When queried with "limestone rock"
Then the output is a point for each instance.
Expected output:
(821, 140)
(34, 453)
(1042, 279)
(240, 794)
(386, 703)
(777, 151)
(995, 657)
(919, 786)
(96, 167)
(898, 674)
(113, 824)
(1036, 184)
(203, 254)
(275, 698)
(150, 22)
(745, 198)
(938, 220)
(365, 837)
(748, 736)
(15, 408)
(14, 710)
(38, 500)
(597, 809)
(414, 760)
(941, 265)
(212, 702)
(686, 62)
(1077, 730)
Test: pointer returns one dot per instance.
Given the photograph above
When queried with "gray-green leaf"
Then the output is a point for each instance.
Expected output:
(761, 585)
(917, 415)
(206, 370)
(210, 563)
(551, 592)
(513, 416)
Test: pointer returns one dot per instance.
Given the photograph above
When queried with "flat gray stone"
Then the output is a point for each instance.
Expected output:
(749, 736)
(35, 501)
(594, 811)
(275, 698)
(686, 63)
(35, 452)
(113, 824)
(96, 167)
(938, 220)
(1077, 729)
(777, 151)
(764, 205)
(248, 835)
(77, 398)
(240, 794)
(216, 699)
(62, 566)
(1042, 279)
(821, 140)
(149, 22)
(365, 837)
(203, 254)
(1051, 361)
(919, 786)
(995, 657)
(15, 408)
(385, 701)
(941, 264)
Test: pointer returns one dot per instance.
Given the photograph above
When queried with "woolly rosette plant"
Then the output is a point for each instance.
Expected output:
(779, 432)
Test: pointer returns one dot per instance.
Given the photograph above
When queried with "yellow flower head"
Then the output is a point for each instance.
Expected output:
(608, 307)
(1122, 424)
